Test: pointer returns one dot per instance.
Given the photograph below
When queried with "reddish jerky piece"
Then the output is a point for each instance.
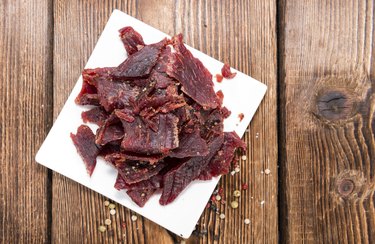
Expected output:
(191, 145)
(219, 78)
(96, 115)
(122, 156)
(139, 138)
(220, 164)
(133, 171)
(140, 64)
(225, 112)
(109, 133)
(125, 115)
(120, 183)
(88, 95)
(161, 101)
(176, 180)
(194, 77)
(131, 39)
(153, 183)
(84, 141)
(241, 116)
(140, 197)
(111, 94)
(225, 71)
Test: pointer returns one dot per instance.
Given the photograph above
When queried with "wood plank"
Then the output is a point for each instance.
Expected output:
(327, 120)
(207, 26)
(25, 117)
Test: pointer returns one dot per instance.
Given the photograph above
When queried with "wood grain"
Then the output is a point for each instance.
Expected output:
(247, 42)
(25, 117)
(327, 121)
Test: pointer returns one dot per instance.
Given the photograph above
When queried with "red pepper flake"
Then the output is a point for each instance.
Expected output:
(241, 116)
(245, 186)
(123, 225)
(219, 78)
(208, 205)
(221, 191)
(213, 198)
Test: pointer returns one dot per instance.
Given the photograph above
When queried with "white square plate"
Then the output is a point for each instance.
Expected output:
(242, 94)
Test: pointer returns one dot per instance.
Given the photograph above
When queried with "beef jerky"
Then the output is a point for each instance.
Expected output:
(139, 138)
(225, 71)
(176, 180)
(140, 64)
(95, 115)
(194, 77)
(131, 39)
(84, 141)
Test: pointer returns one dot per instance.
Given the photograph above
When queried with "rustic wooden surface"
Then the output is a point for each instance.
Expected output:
(314, 129)
(327, 121)
(25, 118)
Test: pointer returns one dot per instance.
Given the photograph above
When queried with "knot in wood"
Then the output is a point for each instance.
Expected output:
(350, 184)
(345, 187)
(336, 105)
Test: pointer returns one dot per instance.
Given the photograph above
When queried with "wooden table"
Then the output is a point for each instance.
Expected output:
(314, 130)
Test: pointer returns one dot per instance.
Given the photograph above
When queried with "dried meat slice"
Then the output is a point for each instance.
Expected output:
(140, 197)
(132, 40)
(139, 138)
(140, 64)
(153, 182)
(84, 141)
(109, 133)
(194, 77)
(160, 101)
(95, 115)
(176, 180)
(225, 71)
(111, 94)
(88, 95)
(191, 145)
(135, 171)
(220, 164)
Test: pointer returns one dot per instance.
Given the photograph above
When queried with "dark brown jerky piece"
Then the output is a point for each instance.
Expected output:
(116, 95)
(139, 138)
(194, 77)
(84, 141)
(111, 94)
(134, 171)
(95, 115)
(125, 115)
(88, 95)
(211, 123)
(121, 156)
(225, 71)
(161, 101)
(225, 112)
(140, 64)
(220, 164)
(153, 183)
(191, 145)
(140, 197)
(109, 133)
(131, 39)
(176, 180)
